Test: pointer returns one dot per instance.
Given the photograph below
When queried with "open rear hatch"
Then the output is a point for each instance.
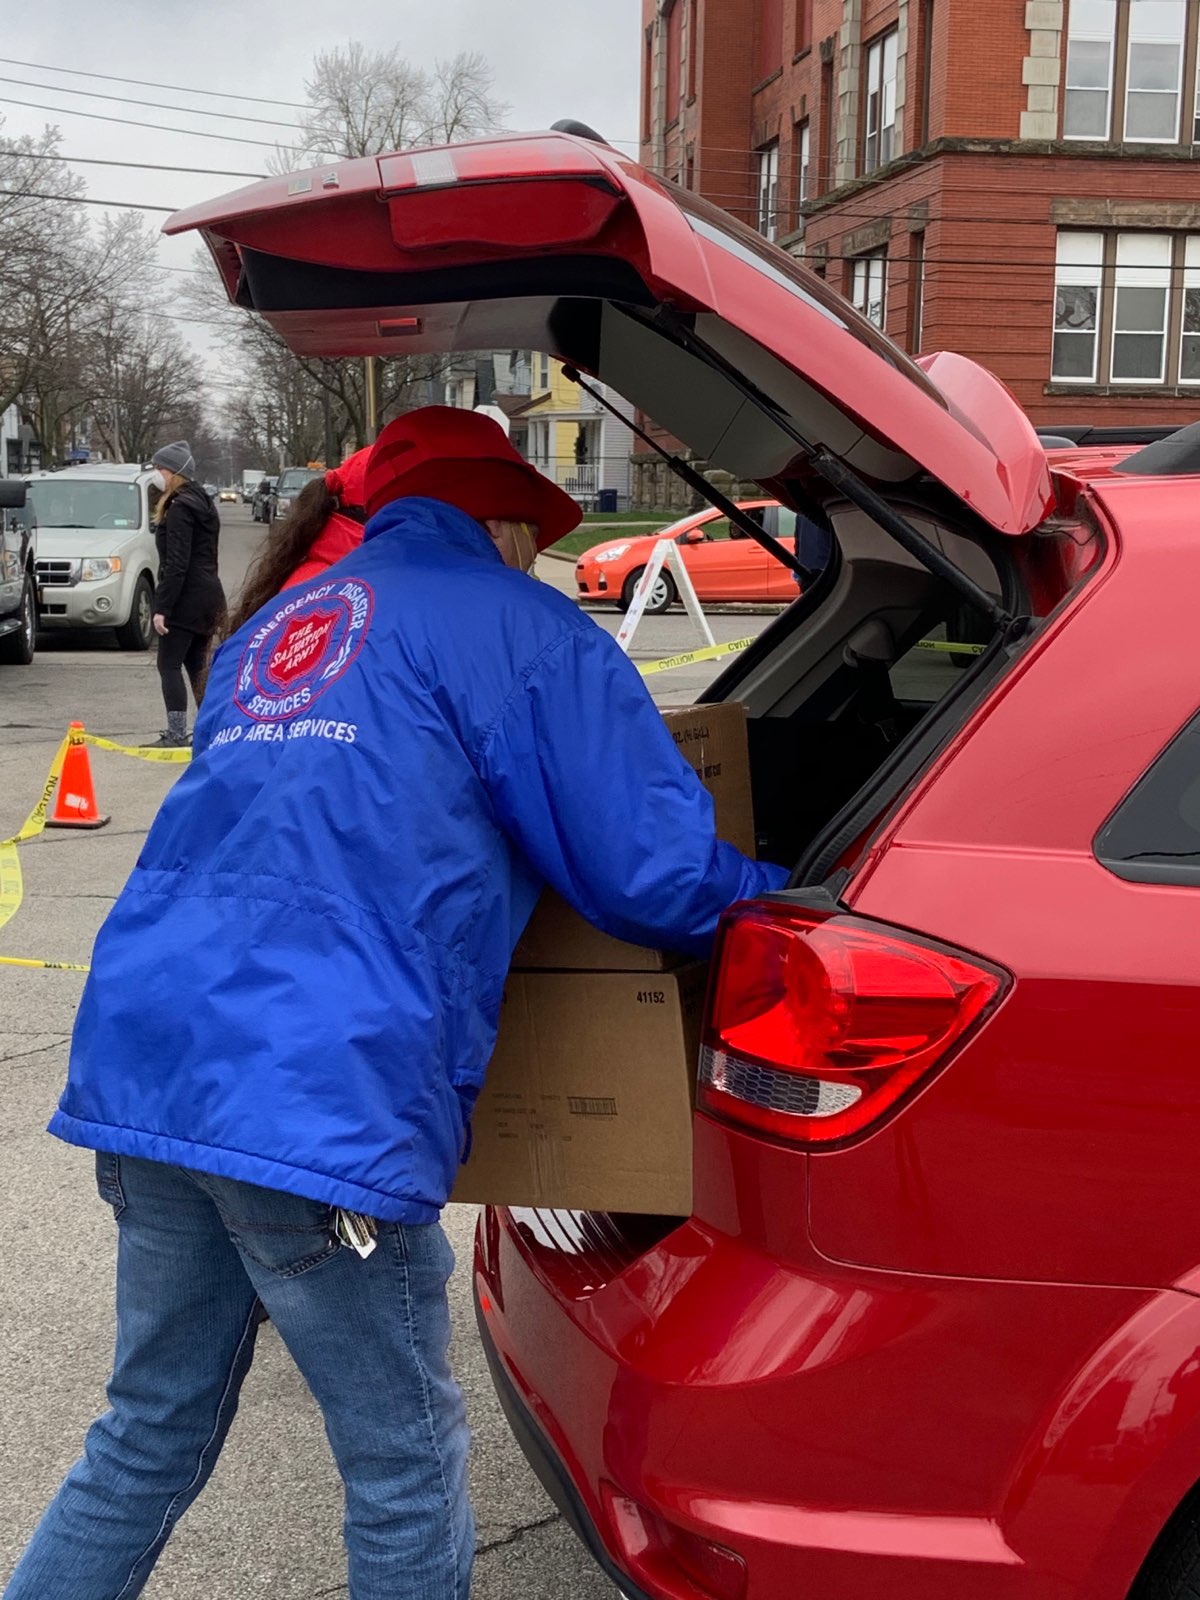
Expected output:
(556, 243)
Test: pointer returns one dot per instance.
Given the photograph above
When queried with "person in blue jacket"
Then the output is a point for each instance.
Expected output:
(293, 1002)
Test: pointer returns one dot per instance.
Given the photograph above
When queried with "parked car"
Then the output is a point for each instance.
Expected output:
(18, 583)
(229, 497)
(930, 1328)
(260, 505)
(722, 561)
(96, 558)
(288, 485)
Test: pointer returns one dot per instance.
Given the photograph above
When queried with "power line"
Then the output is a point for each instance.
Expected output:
(80, 200)
(140, 166)
(179, 88)
(153, 105)
(128, 122)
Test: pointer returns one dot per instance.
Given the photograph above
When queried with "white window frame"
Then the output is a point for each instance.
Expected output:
(804, 155)
(868, 273)
(1079, 32)
(768, 190)
(879, 123)
(1191, 281)
(1136, 270)
(1079, 265)
(1179, 40)
(543, 371)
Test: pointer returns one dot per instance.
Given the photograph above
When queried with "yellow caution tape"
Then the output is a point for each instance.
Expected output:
(12, 887)
(139, 752)
(949, 649)
(49, 966)
(710, 652)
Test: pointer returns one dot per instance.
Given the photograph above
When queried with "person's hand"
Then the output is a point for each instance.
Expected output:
(160, 625)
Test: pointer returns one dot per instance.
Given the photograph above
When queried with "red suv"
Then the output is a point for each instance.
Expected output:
(931, 1327)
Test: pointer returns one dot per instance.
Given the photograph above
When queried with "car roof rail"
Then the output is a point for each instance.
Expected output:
(1083, 435)
(1175, 456)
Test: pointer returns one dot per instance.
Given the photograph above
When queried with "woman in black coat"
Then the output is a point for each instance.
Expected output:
(189, 601)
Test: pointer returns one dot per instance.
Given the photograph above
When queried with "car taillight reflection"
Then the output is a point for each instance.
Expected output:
(819, 1025)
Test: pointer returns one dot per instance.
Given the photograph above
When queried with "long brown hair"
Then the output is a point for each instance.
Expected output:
(288, 543)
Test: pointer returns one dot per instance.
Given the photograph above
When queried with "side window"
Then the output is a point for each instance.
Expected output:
(718, 528)
(1154, 834)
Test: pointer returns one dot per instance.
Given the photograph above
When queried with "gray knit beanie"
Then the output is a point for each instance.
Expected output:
(176, 458)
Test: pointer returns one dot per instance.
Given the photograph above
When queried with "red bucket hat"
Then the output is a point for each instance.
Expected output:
(347, 480)
(465, 458)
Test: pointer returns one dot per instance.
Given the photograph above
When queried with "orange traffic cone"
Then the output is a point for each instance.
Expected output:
(74, 797)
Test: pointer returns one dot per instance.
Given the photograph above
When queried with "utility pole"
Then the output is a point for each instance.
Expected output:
(330, 447)
(372, 401)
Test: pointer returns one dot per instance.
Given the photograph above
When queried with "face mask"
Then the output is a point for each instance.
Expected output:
(157, 481)
(528, 534)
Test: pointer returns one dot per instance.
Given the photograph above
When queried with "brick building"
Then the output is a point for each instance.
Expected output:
(1013, 179)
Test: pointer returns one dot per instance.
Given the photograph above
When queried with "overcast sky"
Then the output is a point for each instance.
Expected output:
(551, 58)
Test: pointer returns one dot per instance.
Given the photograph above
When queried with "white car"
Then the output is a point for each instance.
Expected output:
(97, 563)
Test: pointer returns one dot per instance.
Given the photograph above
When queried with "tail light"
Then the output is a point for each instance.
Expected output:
(818, 1025)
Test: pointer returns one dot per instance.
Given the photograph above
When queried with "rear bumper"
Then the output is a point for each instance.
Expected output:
(549, 1469)
(842, 1432)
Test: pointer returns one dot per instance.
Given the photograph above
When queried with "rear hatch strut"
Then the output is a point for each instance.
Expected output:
(834, 471)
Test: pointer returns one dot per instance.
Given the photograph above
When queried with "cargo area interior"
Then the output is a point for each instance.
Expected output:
(843, 691)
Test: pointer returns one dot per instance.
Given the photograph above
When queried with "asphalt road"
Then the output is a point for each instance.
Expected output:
(270, 1522)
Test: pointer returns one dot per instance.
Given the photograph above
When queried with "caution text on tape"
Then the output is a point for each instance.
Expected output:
(708, 652)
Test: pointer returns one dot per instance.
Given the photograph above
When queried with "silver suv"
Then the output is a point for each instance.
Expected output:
(96, 558)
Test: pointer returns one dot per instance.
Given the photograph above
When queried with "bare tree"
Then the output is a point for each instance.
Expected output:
(149, 379)
(364, 102)
(63, 278)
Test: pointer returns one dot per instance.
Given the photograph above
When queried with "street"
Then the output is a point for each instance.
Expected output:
(270, 1523)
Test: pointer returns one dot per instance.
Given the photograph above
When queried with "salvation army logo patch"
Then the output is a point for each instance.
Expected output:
(303, 648)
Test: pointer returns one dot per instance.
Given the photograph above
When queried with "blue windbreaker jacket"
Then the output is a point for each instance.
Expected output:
(300, 984)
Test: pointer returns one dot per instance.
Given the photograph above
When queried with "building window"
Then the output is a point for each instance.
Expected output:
(1189, 346)
(1154, 70)
(674, 58)
(1124, 77)
(916, 309)
(1090, 50)
(1078, 274)
(803, 25)
(768, 190)
(868, 286)
(1127, 309)
(1142, 286)
(880, 99)
(543, 372)
(803, 161)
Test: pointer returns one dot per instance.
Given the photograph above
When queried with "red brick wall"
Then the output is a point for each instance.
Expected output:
(989, 264)
(980, 66)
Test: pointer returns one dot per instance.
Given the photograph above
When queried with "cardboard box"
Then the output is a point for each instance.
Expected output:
(588, 1099)
(713, 740)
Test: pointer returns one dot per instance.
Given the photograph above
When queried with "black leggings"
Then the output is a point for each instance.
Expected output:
(179, 651)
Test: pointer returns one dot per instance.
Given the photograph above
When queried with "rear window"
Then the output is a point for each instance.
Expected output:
(77, 503)
(1154, 834)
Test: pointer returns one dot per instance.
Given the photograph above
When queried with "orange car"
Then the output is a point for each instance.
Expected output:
(722, 562)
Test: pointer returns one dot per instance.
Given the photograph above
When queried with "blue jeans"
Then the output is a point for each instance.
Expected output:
(198, 1260)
